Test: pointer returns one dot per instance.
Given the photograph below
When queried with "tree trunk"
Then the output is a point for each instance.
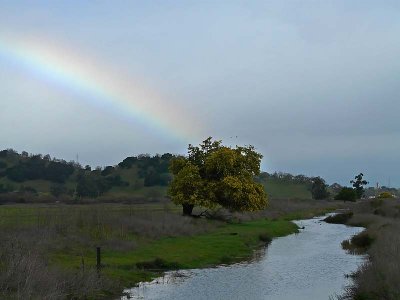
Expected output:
(187, 209)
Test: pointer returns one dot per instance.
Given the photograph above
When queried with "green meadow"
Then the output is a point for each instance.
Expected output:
(284, 190)
(139, 242)
(227, 244)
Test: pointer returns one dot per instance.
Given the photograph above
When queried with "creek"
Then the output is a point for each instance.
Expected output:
(308, 265)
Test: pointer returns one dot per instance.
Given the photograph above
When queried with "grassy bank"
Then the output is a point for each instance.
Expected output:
(229, 243)
(379, 277)
(137, 241)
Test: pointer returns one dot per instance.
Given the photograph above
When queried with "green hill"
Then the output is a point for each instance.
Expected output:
(25, 177)
(141, 176)
(278, 189)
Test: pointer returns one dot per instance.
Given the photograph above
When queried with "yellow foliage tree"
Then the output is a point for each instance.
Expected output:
(385, 195)
(216, 175)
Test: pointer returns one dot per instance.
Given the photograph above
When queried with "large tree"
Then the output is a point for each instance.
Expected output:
(319, 189)
(346, 194)
(358, 185)
(215, 175)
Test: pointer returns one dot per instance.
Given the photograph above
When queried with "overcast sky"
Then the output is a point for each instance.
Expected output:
(313, 85)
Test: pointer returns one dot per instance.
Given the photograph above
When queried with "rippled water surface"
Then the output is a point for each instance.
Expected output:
(308, 265)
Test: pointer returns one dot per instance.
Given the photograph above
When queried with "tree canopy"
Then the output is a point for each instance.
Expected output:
(346, 194)
(358, 184)
(216, 175)
(319, 189)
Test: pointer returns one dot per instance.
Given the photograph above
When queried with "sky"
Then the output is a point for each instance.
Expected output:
(313, 85)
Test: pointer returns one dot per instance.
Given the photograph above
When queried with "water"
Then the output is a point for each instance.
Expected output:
(308, 265)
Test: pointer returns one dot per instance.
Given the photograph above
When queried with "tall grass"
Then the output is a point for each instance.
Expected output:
(379, 277)
(25, 272)
(37, 240)
(31, 235)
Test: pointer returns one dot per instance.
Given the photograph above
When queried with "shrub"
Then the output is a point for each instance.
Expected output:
(375, 203)
(5, 188)
(346, 194)
(362, 240)
(265, 238)
(385, 195)
(359, 243)
(107, 171)
(158, 264)
(28, 189)
(226, 259)
(339, 218)
(58, 189)
(3, 165)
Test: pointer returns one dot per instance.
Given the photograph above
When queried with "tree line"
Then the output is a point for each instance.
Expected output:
(319, 188)
(157, 170)
(19, 168)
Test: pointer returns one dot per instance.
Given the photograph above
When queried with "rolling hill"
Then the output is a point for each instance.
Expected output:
(141, 177)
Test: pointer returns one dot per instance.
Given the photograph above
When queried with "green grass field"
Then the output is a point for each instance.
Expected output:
(278, 190)
(275, 189)
(230, 243)
(74, 231)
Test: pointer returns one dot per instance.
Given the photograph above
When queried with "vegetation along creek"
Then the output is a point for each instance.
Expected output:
(310, 264)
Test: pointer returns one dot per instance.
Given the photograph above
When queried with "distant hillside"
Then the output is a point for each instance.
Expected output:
(284, 185)
(138, 176)
(26, 176)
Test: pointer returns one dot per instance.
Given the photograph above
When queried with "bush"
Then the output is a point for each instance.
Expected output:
(359, 243)
(28, 189)
(158, 264)
(226, 260)
(362, 240)
(58, 189)
(339, 218)
(346, 194)
(375, 203)
(385, 195)
(3, 165)
(107, 171)
(265, 238)
(6, 188)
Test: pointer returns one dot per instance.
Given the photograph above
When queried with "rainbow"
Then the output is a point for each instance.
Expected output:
(102, 86)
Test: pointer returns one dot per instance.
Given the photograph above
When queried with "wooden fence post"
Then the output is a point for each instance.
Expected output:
(98, 258)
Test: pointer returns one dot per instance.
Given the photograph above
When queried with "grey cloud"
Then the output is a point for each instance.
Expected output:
(314, 85)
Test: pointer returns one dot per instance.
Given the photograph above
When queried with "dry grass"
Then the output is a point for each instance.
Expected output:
(379, 278)
(29, 198)
(30, 235)
(25, 273)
